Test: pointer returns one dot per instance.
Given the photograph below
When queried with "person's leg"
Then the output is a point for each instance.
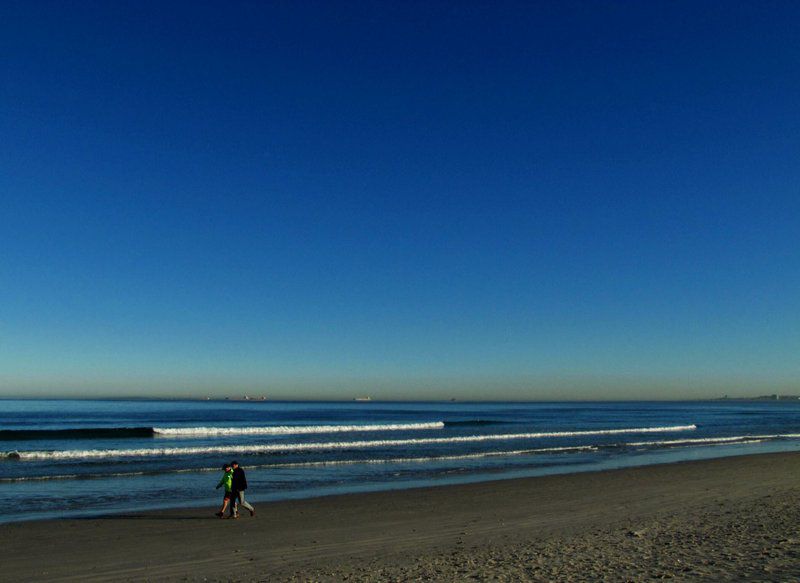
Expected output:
(234, 509)
(243, 502)
(225, 502)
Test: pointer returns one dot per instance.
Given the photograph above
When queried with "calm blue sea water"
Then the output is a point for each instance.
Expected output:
(77, 458)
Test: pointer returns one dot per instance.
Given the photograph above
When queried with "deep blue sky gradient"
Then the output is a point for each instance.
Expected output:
(530, 200)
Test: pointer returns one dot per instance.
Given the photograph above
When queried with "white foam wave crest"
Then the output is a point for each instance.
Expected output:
(40, 478)
(317, 446)
(75, 477)
(465, 456)
(423, 459)
(715, 440)
(292, 429)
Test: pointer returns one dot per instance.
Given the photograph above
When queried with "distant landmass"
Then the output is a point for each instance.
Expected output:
(760, 398)
(244, 398)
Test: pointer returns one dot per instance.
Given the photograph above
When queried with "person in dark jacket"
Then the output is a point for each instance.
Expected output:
(238, 487)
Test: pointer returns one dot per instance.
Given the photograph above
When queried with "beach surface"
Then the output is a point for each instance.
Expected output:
(727, 519)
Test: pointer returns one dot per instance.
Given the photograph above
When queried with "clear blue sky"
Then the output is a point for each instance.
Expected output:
(410, 199)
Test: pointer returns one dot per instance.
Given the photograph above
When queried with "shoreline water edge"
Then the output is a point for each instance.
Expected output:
(83, 458)
(721, 519)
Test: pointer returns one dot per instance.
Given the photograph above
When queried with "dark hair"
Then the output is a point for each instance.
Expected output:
(226, 466)
(234, 463)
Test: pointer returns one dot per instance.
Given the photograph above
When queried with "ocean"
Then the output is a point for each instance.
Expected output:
(68, 458)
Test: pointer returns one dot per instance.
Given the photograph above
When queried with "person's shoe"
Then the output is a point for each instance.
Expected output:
(252, 513)
(220, 514)
(235, 516)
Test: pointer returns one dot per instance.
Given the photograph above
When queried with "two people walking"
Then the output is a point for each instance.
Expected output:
(235, 483)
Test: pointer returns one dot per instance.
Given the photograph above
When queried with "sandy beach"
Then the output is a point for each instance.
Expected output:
(725, 519)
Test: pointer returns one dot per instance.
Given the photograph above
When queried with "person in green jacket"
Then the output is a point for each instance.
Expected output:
(227, 482)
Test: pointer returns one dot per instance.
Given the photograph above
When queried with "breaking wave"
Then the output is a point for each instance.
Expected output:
(321, 446)
(77, 433)
(293, 429)
(713, 440)
(140, 432)
(368, 461)
(476, 423)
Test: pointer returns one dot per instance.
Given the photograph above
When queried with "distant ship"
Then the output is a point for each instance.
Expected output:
(363, 399)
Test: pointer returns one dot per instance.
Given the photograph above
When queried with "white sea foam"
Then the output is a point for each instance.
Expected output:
(292, 429)
(426, 459)
(78, 476)
(318, 446)
(40, 478)
(375, 461)
(714, 440)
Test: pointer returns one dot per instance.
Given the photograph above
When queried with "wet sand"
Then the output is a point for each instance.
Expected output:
(728, 519)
